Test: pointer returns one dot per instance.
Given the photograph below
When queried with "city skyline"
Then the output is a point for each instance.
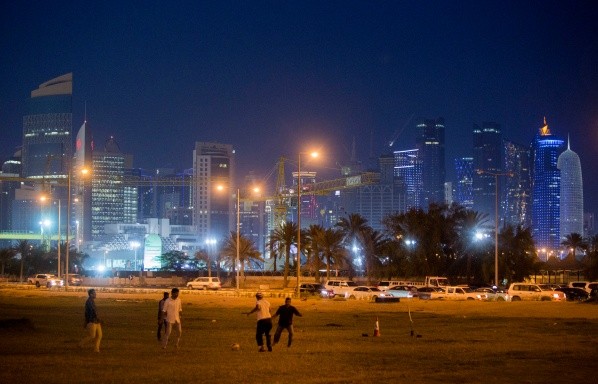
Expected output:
(273, 78)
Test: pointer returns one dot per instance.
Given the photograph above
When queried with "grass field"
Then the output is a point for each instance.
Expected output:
(460, 342)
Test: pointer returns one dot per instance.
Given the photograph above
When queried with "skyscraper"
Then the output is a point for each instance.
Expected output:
(464, 184)
(408, 169)
(571, 210)
(516, 204)
(83, 159)
(47, 141)
(487, 147)
(213, 167)
(430, 142)
(107, 194)
(546, 188)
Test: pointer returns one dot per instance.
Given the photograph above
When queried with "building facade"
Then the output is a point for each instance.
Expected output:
(487, 148)
(213, 189)
(408, 169)
(464, 183)
(571, 209)
(430, 143)
(47, 127)
(516, 205)
(546, 188)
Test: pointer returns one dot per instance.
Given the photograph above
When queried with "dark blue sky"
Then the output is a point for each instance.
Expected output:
(272, 77)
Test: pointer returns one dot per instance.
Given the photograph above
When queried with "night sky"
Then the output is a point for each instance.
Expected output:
(273, 78)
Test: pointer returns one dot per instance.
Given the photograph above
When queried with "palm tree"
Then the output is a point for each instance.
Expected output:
(591, 259)
(574, 241)
(468, 224)
(247, 253)
(313, 249)
(24, 248)
(333, 250)
(372, 245)
(6, 254)
(284, 236)
(202, 255)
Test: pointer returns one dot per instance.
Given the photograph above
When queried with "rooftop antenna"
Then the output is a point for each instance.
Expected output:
(85, 115)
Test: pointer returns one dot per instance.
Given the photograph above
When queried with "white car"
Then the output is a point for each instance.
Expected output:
(204, 283)
(526, 291)
(45, 279)
(365, 293)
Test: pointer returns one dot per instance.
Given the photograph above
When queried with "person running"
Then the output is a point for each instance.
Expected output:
(285, 321)
(172, 313)
(161, 319)
(93, 324)
(264, 322)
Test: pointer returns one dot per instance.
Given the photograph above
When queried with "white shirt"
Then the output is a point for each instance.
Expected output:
(263, 309)
(173, 308)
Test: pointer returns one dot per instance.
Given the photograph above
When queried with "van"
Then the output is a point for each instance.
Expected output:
(526, 291)
(339, 287)
(204, 283)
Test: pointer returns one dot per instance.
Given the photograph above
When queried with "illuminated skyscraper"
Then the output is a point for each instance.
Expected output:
(83, 159)
(108, 192)
(430, 142)
(408, 169)
(213, 166)
(464, 184)
(487, 147)
(546, 188)
(571, 193)
(517, 191)
(47, 141)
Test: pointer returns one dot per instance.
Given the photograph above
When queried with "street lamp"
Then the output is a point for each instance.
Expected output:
(238, 258)
(314, 155)
(210, 242)
(43, 199)
(135, 245)
(496, 175)
(84, 172)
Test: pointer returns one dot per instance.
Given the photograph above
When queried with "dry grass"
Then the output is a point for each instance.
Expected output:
(461, 342)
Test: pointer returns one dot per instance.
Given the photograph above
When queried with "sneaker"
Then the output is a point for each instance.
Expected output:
(262, 349)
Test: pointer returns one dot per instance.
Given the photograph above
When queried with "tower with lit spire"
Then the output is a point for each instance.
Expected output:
(546, 188)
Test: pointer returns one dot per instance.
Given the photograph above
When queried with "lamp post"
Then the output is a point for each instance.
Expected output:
(496, 175)
(238, 239)
(135, 245)
(312, 154)
(68, 221)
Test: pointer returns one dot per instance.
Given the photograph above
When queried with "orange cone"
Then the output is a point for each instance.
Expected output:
(377, 328)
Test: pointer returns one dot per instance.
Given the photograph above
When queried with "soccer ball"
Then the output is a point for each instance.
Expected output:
(235, 347)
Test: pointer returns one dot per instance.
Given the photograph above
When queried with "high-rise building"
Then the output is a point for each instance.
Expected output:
(546, 188)
(10, 169)
(464, 183)
(408, 168)
(430, 142)
(376, 201)
(47, 141)
(571, 210)
(213, 189)
(487, 148)
(107, 193)
(81, 184)
(517, 191)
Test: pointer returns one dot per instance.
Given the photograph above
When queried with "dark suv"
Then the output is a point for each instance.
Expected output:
(316, 289)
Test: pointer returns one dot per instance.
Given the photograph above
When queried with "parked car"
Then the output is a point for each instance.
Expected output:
(574, 294)
(494, 294)
(586, 285)
(363, 292)
(74, 279)
(403, 291)
(45, 279)
(527, 291)
(316, 289)
(427, 293)
(204, 283)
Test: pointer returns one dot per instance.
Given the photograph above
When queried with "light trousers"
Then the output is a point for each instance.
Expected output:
(94, 333)
(169, 327)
